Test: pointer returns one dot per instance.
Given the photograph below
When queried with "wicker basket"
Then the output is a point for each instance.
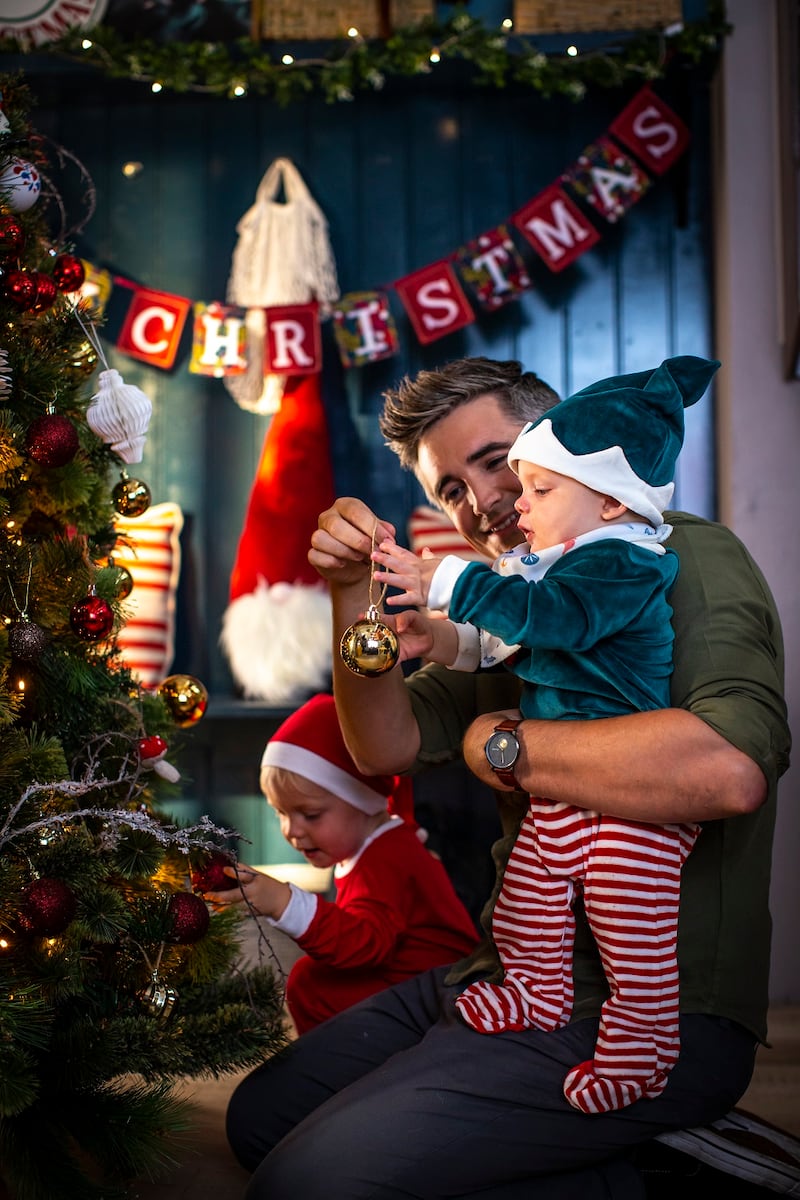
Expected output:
(582, 16)
(320, 20)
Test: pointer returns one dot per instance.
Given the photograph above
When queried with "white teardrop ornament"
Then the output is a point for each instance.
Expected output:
(119, 414)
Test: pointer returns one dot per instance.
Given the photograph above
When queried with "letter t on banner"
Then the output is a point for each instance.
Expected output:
(293, 341)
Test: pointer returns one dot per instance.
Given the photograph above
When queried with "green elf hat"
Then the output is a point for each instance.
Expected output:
(621, 436)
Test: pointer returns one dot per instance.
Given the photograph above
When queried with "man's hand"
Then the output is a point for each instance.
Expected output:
(342, 542)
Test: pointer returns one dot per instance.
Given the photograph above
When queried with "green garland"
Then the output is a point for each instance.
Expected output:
(498, 58)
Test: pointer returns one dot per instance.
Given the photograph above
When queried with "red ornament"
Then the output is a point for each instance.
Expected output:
(189, 918)
(52, 440)
(152, 747)
(46, 292)
(20, 288)
(92, 618)
(48, 906)
(212, 877)
(12, 237)
(69, 273)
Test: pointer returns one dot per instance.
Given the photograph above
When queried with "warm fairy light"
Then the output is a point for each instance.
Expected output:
(572, 51)
(87, 44)
(352, 32)
(5, 945)
(131, 169)
(20, 685)
(508, 23)
(239, 89)
(287, 59)
(434, 55)
(156, 86)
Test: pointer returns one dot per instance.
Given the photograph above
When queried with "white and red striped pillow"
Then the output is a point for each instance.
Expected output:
(149, 548)
(429, 527)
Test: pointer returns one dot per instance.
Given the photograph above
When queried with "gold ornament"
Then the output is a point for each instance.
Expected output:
(186, 698)
(368, 647)
(131, 497)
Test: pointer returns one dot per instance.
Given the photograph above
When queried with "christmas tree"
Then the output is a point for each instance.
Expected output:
(116, 977)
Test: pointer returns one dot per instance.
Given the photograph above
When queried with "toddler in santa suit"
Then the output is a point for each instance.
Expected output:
(396, 912)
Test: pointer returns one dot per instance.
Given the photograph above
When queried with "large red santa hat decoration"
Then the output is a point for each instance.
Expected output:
(276, 631)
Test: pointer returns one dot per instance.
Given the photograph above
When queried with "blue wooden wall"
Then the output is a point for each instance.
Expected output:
(404, 176)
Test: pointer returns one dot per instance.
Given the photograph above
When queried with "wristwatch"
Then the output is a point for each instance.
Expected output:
(502, 751)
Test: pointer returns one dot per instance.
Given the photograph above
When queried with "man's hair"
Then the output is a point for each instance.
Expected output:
(416, 404)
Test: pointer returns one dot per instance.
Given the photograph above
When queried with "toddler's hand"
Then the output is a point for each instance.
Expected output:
(405, 571)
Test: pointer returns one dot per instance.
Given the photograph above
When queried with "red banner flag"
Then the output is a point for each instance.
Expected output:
(293, 341)
(153, 326)
(434, 301)
(556, 227)
(648, 127)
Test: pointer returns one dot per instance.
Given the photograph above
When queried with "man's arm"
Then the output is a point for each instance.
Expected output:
(665, 766)
(375, 714)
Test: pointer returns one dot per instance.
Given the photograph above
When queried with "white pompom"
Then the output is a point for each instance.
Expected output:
(119, 414)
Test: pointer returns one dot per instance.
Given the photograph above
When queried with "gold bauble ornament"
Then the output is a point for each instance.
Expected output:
(368, 647)
(131, 497)
(186, 698)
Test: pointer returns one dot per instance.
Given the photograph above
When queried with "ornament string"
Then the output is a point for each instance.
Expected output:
(23, 612)
(374, 605)
(91, 336)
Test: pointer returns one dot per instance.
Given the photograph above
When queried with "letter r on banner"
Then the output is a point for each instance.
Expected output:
(153, 326)
(649, 128)
(293, 342)
(555, 227)
(435, 301)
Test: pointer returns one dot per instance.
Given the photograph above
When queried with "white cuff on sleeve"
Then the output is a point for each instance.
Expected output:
(298, 914)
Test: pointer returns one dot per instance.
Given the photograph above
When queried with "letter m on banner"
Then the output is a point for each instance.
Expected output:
(555, 227)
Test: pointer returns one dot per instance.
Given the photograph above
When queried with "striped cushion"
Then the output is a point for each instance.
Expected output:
(149, 548)
(427, 527)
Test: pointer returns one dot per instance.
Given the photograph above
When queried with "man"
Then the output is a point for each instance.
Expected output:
(401, 1098)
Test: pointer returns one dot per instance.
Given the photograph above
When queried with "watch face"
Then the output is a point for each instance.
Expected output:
(502, 750)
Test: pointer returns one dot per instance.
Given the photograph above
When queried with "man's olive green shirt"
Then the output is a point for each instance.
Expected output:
(729, 672)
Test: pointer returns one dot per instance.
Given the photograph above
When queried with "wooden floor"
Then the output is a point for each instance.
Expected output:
(206, 1170)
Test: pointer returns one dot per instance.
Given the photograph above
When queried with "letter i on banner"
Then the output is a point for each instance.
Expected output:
(364, 328)
(435, 302)
(293, 341)
(219, 340)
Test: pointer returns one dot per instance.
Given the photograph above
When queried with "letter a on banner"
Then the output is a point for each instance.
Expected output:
(293, 342)
(434, 301)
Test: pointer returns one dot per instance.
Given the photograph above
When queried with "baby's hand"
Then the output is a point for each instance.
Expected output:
(406, 571)
(414, 634)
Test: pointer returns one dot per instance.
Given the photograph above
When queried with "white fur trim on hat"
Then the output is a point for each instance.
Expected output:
(606, 471)
(325, 774)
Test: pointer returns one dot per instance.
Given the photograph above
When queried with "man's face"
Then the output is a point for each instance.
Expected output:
(463, 466)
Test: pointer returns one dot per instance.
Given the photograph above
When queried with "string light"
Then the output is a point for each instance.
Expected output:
(572, 51)
(434, 55)
(287, 59)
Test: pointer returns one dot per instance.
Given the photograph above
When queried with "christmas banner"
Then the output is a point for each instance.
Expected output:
(559, 223)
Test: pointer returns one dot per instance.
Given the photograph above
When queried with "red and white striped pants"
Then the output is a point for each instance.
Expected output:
(629, 875)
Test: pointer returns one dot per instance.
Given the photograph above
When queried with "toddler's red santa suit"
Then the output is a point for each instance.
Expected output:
(396, 911)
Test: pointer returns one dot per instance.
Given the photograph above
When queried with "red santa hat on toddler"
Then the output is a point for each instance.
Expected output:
(276, 631)
(310, 743)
